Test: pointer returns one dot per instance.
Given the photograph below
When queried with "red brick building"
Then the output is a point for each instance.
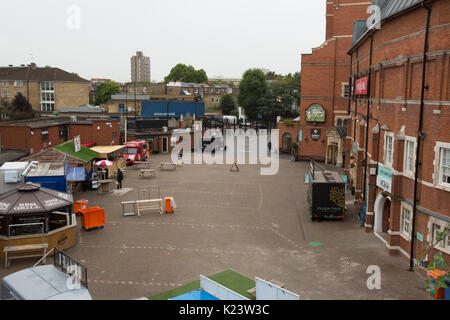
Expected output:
(324, 83)
(398, 141)
(37, 135)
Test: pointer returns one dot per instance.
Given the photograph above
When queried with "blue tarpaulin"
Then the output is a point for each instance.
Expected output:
(76, 174)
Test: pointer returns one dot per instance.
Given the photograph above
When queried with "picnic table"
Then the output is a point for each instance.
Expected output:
(167, 166)
(142, 165)
(105, 187)
(146, 173)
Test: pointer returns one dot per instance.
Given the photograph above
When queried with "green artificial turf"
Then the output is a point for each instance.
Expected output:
(84, 154)
(229, 279)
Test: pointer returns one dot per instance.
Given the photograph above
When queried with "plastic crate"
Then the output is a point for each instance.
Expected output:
(80, 205)
(92, 218)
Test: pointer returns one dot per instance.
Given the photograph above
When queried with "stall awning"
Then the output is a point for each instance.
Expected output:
(76, 174)
(105, 150)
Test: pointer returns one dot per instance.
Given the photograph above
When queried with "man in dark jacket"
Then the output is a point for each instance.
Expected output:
(119, 179)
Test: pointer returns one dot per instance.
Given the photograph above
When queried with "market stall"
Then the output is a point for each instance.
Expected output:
(113, 154)
(31, 215)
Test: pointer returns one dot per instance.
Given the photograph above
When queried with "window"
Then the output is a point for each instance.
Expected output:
(4, 93)
(18, 83)
(217, 100)
(345, 90)
(4, 83)
(444, 166)
(19, 93)
(409, 161)
(388, 148)
(212, 99)
(406, 221)
(44, 135)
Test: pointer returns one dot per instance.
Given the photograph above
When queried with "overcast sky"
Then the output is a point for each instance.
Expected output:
(225, 38)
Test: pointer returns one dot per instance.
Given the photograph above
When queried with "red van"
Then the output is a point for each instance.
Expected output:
(136, 151)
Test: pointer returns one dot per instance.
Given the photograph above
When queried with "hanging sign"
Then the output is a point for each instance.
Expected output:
(315, 113)
(384, 178)
(315, 134)
(361, 86)
(77, 143)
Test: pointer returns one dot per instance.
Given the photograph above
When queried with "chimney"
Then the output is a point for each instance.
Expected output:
(33, 65)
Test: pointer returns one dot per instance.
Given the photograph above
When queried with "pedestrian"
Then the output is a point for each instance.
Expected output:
(119, 179)
(269, 145)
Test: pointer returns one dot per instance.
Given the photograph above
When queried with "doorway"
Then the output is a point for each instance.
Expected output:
(386, 216)
(382, 212)
(287, 141)
(332, 154)
(164, 145)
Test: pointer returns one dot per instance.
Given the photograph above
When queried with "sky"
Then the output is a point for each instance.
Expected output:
(96, 38)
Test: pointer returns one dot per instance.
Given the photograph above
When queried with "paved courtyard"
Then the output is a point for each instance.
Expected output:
(256, 225)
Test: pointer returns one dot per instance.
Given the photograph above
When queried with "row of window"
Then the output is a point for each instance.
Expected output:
(5, 94)
(17, 83)
(443, 165)
(47, 106)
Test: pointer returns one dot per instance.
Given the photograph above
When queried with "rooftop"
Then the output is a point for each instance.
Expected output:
(32, 73)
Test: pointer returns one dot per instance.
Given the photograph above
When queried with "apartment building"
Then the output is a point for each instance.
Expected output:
(140, 67)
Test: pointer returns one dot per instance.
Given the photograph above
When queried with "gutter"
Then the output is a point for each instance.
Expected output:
(420, 136)
(369, 85)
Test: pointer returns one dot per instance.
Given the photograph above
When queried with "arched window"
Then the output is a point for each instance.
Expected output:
(345, 122)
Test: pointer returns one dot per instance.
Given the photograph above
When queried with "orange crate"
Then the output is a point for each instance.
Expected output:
(80, 205)
(92, 218)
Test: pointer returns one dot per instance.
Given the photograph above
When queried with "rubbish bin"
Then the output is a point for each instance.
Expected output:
(92, 218)
(170, 204)
(80, 205)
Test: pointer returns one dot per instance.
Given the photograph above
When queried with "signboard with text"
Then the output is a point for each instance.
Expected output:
(77, 143)
(315, 113)
(361, 86)
(384, 178)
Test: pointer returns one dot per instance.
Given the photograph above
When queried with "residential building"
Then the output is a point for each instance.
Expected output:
(324, 82)
(398, 142)
(47, 89)
(140, 68)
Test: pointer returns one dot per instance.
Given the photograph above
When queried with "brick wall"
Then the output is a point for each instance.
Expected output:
(396, 83)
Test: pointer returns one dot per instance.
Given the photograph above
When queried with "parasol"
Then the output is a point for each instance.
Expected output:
(104, 163)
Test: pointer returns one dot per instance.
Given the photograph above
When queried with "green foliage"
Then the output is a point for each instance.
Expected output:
(184, 73)
(438, 262)
(227, 104)
(294, 145)
(20, 104)
(289, 123)
(105, 90)
(252, 89)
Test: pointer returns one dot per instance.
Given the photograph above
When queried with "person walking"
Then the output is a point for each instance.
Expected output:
(119, 179)
(269, 145)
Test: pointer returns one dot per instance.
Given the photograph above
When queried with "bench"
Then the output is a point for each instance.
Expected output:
(154, 204)
(169, 166)
(146, 173)
(24, 248)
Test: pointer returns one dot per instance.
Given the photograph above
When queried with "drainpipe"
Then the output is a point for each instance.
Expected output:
(369, 85)
(350, 84)
(420, 135)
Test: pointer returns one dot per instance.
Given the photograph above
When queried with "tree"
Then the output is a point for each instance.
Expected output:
(251, 89)
(227, 104)
(104, 91)
(21, 104)
(184, 73)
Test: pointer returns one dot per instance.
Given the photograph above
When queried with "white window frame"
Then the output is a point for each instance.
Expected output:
(406, 169)
(437, 175)
(405, 235)
(443, 245)
(388, 162)
(18, 83)
(343, 86)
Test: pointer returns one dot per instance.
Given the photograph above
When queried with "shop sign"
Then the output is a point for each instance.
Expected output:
(420, 237)
(315, 113)
(77, 142)
(315, 134)
(384, 178)
(361, 86)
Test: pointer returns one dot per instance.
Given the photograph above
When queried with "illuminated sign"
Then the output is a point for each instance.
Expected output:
(315, 113)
